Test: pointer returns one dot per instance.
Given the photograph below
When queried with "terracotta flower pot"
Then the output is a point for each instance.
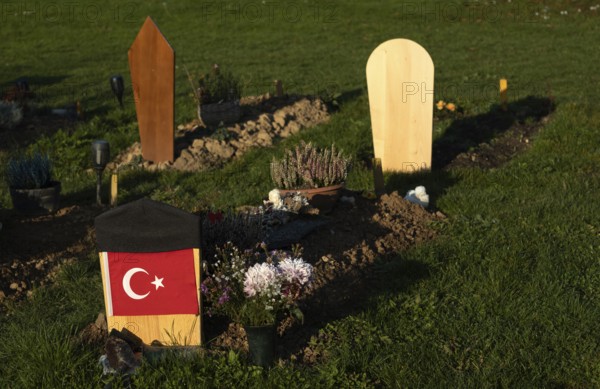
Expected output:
(36, 201)
(323, 199)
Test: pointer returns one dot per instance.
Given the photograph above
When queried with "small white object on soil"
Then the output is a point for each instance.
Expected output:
(275, 199)
(418, 196)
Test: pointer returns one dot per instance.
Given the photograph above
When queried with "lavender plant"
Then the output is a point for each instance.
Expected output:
(308, 167)
(252, 291)
(29, 171)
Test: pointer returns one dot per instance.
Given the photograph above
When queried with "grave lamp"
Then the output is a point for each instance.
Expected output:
(100, 158)
(117, 86)
(22, 85)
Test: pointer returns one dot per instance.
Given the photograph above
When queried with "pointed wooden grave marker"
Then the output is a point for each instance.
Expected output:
(152, 67)
(400, 83)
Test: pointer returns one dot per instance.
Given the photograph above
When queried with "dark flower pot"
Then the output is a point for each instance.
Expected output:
(261, 344)
(36, 201)
(323, 199)
(214, 114)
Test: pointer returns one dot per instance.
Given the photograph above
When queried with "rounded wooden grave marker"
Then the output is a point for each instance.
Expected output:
(400, 83)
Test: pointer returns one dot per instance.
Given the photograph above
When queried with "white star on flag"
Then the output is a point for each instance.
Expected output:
(158, 282)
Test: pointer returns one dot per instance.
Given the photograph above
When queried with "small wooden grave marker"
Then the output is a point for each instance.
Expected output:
(152, 66)
(114, 189)
(278, 88)
(504, 93)
(400, 83)
(150, 263)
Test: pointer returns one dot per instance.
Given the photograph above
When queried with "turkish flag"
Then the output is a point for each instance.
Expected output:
(161, 283)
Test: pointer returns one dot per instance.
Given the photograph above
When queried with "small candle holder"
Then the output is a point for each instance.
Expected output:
(100, 158)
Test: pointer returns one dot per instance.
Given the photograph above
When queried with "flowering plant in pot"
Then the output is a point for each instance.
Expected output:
(218, 97)
(317, 174)
(32, 189)
(256, 290)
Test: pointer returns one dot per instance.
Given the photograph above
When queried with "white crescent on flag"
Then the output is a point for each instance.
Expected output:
(127, 283)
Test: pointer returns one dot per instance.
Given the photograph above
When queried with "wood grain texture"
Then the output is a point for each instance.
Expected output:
(152, 67)
(168, 329)
(400, 82)
(114, 189)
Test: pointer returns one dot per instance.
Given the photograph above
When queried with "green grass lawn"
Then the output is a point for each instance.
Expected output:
(511, 296)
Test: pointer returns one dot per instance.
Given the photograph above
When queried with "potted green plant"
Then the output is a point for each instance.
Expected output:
(32, 189)
(11, 114)
(218, 97)
(255, 292)
(317, 174)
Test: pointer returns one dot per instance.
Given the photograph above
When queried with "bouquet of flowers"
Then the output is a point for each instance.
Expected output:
(252, 290)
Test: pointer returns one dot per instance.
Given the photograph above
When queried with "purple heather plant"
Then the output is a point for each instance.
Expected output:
(308, 167)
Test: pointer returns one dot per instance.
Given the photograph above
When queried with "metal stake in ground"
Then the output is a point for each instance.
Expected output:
(100, 158)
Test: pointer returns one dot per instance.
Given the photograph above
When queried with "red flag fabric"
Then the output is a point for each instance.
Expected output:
(151, 283)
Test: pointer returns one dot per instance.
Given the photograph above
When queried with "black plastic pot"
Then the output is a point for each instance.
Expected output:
(261, 344)
(214, 114)
(36, 201)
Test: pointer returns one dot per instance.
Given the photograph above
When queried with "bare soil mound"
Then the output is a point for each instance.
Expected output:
(265, 119)
(343, 252)
(33, 248)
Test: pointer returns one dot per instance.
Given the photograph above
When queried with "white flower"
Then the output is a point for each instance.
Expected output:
(260, 279)
(298, 198)
(296, 270)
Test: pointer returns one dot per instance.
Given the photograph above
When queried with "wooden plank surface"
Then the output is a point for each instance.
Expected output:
(168, 329)
(152, 67)
(400, 82)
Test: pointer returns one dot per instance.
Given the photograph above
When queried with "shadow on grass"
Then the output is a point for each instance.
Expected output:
(351, 291)
(27, 238)
(348, 295)
(348, 96)
(36, 83)
(468, 132)
(349, 254)
(463, 135)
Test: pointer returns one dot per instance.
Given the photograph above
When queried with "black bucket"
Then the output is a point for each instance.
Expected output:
(261, 344)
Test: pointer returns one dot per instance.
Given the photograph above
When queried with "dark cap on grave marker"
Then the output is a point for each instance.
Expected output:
(146, 226)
